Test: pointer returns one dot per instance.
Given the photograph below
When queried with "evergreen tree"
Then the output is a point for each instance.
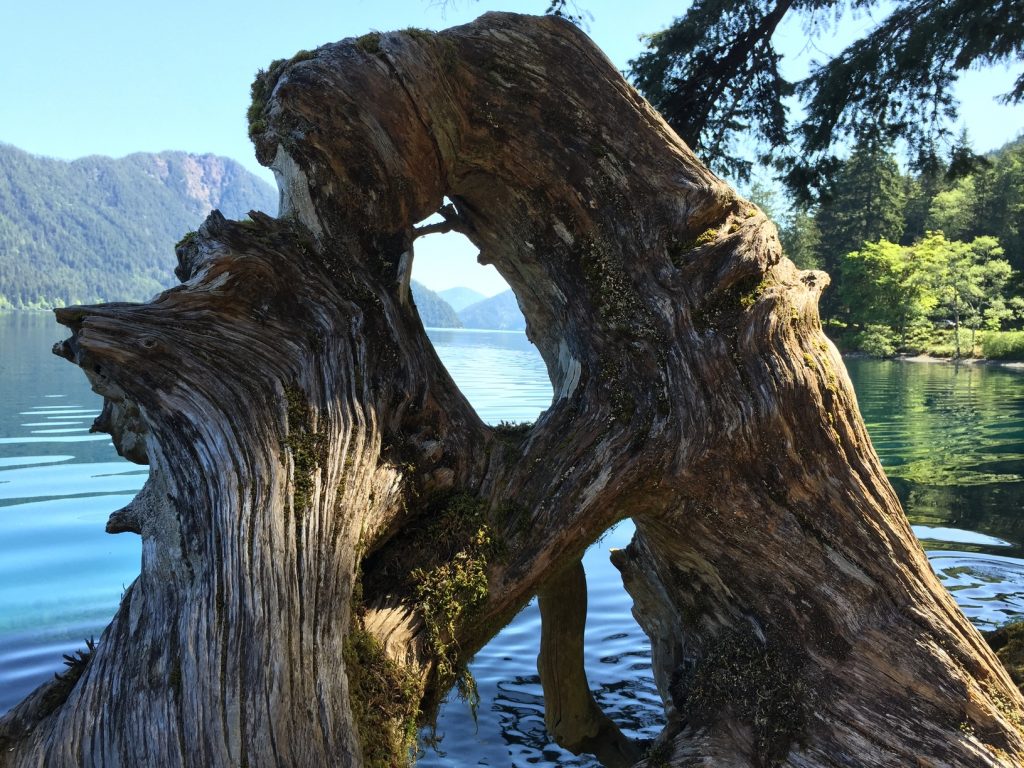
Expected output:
(865, 205)
(716, 76)
(999, 204)
(798, 230)
(919, 192)
(801, 239)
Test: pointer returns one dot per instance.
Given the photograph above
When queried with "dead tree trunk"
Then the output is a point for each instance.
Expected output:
(330, 531)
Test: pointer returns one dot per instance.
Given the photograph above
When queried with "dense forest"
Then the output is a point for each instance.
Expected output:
(929, 262)
(103, 229)
(434, 311)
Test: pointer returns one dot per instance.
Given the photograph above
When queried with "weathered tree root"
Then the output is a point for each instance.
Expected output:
(326, 514)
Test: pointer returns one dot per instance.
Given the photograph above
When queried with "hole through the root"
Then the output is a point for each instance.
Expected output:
(474, 322)
(509, 724)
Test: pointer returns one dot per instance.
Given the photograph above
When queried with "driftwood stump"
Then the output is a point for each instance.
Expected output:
(329, 531)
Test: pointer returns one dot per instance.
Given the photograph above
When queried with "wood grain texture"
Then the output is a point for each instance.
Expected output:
(314, 472)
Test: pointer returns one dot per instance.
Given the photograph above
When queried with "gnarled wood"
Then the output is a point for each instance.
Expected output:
(571, 714)
(325, 512)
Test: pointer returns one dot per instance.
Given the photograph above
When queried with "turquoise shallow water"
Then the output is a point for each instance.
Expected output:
(951, 438)
(61, 575)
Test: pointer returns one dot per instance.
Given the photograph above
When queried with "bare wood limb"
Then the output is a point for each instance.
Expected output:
(571, 714)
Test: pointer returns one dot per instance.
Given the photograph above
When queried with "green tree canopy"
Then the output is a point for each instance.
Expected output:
(952, 210)
(715, 74)
(969, 280)
(865, 205)
(900, 287)
(887, 284)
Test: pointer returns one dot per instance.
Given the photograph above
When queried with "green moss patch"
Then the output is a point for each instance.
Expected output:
(614, 295)
(1008, 643)
(439, 562)
(369, 43)
(418, 33)
(308, 448)
(451, 590)
(384, 697)
(757, 681)
(64, 682)
(658, 755)
(750, 297)
(187, 240)
(722, 309)
(263, 85)
(512, 431)
(681, 249)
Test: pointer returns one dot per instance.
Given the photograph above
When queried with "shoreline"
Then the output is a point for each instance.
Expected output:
(919, 358)
(931, 359)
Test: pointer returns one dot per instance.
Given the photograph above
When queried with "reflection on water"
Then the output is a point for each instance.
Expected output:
(951, 439)
(505, 380)
(509, 727)
(989, 588)
(956, 536)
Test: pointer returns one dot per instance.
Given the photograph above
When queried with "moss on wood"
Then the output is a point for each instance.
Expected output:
(512, 431)
(451, 591)
(658, 755)
(756, 681)
(722, 309)
(64, 682)
(618, 305)
(369, 43)
(1008, 643)
(418, 33)
(384, 697)
(307, 447)
(263, 86)
(187, 240)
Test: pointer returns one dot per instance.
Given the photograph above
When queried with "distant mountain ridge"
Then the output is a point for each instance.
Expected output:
(499, 313)
(434, 311)
(104, 229)
(459, 298)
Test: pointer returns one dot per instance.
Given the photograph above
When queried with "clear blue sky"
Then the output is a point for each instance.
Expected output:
(113, 77)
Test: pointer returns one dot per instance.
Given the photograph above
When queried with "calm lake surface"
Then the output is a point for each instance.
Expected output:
(951, 438)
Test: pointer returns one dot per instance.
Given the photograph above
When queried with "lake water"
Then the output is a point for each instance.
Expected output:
(951, 438)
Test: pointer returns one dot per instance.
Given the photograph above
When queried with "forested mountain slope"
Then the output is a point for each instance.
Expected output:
(500, 313)
(434, 311)
(103, 229)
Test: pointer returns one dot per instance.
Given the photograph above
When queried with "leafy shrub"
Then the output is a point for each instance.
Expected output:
(918, 337)
(1004, 345)
(943, 350)
(876, 340)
